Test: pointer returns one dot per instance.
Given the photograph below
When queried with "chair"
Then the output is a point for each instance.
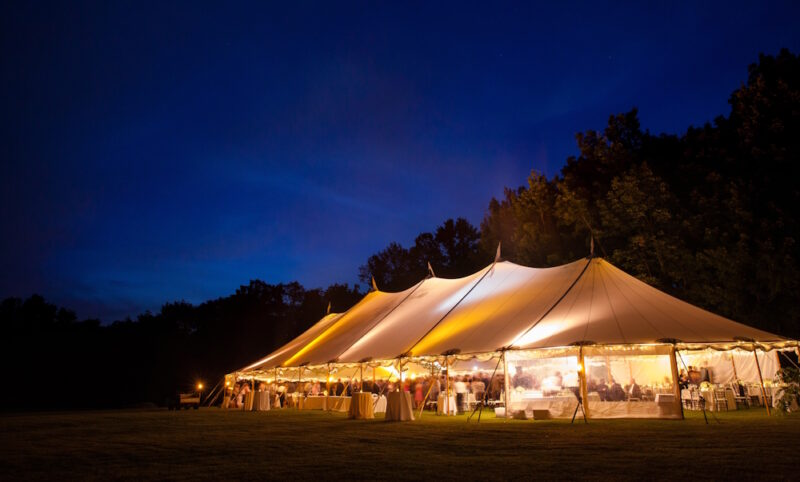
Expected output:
(696, 402)
(686, 398)
(754, 393)
(740, 399)
(720, 399)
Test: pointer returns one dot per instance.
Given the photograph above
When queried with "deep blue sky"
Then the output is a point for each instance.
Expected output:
(161, 152)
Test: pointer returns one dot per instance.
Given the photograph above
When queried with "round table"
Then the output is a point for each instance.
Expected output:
(398, 407)
(440, 404)
(361, 406)
(380, 403)
(261, 401)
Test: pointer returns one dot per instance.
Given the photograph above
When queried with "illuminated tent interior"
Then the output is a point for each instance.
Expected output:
(551, 334)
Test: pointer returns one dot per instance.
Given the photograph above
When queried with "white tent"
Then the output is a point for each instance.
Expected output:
(585, 318)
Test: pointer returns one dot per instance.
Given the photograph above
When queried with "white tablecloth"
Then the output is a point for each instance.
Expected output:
(339, 404)
(361, 406)
(559, 406)
(711, 397)
(261, 401)
(398, 406)
(440, 404)
(313, 403)
(665, 398)
(380, 404)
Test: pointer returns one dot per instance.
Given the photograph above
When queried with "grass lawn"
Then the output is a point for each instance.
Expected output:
(215, 444)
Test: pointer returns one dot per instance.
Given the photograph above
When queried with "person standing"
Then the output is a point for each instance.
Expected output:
(461, 393)
(418, 395)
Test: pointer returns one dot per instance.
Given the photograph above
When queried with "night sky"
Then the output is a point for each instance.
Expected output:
(165, 152)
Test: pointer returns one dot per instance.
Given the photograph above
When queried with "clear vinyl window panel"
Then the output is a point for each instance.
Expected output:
(630, 386)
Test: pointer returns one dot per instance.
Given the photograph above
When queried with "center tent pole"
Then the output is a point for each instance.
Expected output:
(446, 386)
(761, 379)
(428, 394)
(361, 377)
(328, 387)
(299, 383)
(582, 381)
(676, 386)
(506, 385)
(733, 364)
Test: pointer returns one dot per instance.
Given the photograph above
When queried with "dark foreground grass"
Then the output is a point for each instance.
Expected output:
(214, 444)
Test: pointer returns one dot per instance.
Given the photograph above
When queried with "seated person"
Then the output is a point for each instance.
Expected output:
(633, 390)
(683, 379)
(695, 377)
(616, 393)
(602, 390)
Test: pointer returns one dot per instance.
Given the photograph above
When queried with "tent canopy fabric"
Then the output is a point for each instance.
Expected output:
(508, 306)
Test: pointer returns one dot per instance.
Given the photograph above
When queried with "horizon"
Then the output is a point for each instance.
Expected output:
(161, 154)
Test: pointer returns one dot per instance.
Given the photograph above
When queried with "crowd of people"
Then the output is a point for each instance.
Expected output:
(423, 391)
(466, 389)
(613, 391)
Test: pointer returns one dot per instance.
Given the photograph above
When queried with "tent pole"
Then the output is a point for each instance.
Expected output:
(761, 379)
(422, 407)
(582, 381)
(328, 388)
(676, 386)
(299, 384)
(446, 386)
(733, 364)
(506, 387)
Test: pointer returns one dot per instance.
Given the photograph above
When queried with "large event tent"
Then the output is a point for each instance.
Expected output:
(578, 324)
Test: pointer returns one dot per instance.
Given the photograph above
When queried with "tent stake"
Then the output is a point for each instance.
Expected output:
(761, 379)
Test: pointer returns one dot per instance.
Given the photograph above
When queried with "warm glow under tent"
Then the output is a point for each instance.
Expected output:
(587, 320)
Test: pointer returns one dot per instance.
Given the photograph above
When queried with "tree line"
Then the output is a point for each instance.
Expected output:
(709, 216)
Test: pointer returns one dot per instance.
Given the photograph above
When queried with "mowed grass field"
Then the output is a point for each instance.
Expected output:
(291, 445)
